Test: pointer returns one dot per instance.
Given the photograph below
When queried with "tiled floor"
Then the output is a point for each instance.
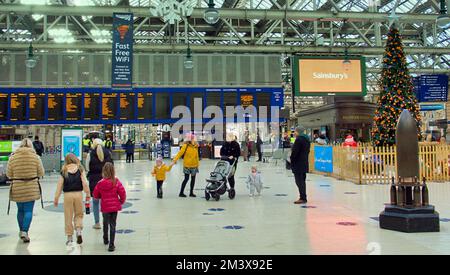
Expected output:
(272, 224)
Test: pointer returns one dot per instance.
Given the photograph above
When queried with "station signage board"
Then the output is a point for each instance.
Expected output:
(122, 51)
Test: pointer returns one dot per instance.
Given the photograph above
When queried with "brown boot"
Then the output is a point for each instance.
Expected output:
(299, 201)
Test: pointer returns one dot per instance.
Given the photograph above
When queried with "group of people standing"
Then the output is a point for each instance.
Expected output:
(98, 180)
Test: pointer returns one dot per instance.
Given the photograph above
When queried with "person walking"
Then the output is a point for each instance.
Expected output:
(258, 147)
(38, 146)
(24, 169)
(112, 195)
(159, 172)
(300, 163)
(231, 151)
(191, 161)
(72, 182)
(129, 150)
(95, 161)
(244, 147)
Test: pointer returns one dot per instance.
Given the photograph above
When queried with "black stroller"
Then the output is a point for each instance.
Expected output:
(218, 180)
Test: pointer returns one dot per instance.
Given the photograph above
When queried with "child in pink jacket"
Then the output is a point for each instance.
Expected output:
(112, 196)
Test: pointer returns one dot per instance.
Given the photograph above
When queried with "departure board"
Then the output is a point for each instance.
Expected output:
(91, 106)
(73, 106)
(18, 106)
(145, 106)
(127, 106)
(37, 106)
(55, 106)
(109, 106)
(3, 106)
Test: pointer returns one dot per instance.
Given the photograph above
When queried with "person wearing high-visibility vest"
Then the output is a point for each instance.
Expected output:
(108, 144)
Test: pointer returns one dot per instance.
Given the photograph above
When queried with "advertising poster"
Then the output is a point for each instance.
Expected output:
(71, 141)
(5, 146)
(122, 51)
(318, 76)
(323, 159)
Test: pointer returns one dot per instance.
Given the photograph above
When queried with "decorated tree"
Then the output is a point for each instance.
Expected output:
(396, 93)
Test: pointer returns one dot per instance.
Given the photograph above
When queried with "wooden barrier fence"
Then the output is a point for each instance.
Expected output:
(368, 165)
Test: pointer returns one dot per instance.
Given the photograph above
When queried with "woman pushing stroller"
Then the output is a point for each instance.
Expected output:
(231, 150)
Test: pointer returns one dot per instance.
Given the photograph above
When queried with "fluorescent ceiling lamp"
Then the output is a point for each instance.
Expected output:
(61, 35)
(101, 36)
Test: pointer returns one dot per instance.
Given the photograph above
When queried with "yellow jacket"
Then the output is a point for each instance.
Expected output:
(160, 172)
(191, 159)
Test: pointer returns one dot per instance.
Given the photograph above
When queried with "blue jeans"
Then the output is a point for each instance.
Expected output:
(96, 210)
(25, 215)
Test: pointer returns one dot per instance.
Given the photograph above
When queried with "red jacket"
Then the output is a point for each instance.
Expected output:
(112, 196)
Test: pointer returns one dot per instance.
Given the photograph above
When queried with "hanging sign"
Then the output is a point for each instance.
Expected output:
(122, 51)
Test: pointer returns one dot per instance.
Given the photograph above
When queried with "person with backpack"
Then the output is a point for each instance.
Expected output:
(24, 169)
(73, 183)
(38, 146)
(191, 161)
(95, 161)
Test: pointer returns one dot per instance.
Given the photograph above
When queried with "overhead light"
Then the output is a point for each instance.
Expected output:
(101, 36)
(61, 35)
(211, 14)
(188, 61)
(31, 61)
(443, 20)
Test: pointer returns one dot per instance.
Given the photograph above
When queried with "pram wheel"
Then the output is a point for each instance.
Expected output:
(207, 195)
(231, 194)
(216, 196)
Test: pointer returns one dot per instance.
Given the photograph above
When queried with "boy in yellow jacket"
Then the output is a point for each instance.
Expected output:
(159, 172)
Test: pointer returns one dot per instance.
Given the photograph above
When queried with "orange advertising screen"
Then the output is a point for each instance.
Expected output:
(329, 76)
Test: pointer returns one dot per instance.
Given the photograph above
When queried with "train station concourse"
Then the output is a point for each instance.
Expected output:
(241, 129)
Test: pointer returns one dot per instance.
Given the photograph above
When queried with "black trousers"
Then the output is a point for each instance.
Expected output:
(109, 222)
(300, 180)
(259, 153)
(159, 184)
(130, 157)
(183, 185)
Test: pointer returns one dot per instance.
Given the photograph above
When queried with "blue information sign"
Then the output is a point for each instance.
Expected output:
(432, 88)
(323, 159)
(122, 51)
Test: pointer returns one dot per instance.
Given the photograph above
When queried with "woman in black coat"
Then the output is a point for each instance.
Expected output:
(232, 151)
(96, 159)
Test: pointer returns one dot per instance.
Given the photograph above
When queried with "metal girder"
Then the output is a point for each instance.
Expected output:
(273, 14)
(322, 50)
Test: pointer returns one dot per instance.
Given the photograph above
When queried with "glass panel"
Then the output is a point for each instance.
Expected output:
(5, 68)
(158, 69)
(83, 69)
(67, 69)
(98, 73)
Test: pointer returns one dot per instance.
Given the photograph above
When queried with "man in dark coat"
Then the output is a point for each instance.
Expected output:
(300, 163)
(129, 150)
(258, 147)
(38, 146)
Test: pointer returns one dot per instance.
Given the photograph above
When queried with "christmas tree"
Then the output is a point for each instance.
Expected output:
(396, 93)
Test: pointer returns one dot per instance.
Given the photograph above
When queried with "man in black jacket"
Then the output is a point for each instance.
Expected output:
(38, 146)
(299, 162)
(258, 147)
(231, 150)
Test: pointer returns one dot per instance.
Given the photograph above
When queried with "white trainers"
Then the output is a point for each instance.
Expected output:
(97, 226)
(24, 237)
(251, 195)
(69, 241)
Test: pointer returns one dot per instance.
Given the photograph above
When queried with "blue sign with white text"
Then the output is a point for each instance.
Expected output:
(323, 159)
(432, 88)
(122, 51)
